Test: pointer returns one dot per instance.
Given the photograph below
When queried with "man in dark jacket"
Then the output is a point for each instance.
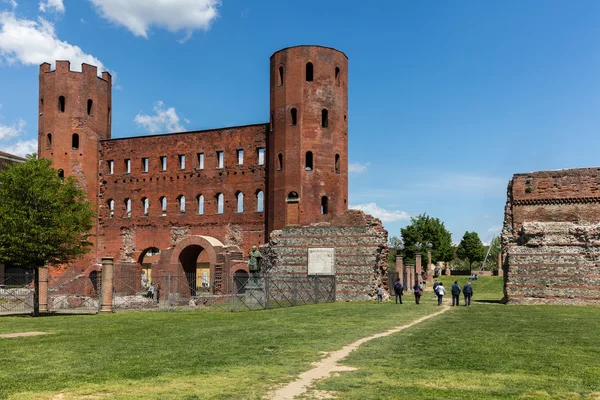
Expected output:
(455, 294)
(398, 289)
(468, 293)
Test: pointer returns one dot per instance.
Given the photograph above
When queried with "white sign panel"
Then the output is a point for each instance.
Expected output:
(321, 261)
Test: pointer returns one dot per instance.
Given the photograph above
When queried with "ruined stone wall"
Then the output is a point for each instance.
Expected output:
(360, 244)
(126, 235)
(551, 237)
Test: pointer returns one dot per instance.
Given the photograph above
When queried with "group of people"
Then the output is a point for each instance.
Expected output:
(438, 289)
(154, 292)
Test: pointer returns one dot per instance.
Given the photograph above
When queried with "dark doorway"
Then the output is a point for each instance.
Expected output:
(240, 279)
(189, 261)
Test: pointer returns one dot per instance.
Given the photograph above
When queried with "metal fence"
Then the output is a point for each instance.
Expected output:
(79, 294)
(16, 293)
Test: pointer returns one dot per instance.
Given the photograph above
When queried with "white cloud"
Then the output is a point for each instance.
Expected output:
(174, 15)
(495, 229)
(357, 168)
(32, 43)
(21, 147)
(52, 5)
(165, 120)
(12, 3)
(381, 213)
(12, 131)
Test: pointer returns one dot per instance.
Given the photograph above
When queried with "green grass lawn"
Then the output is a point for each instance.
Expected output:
(487, 351)
(181, 355)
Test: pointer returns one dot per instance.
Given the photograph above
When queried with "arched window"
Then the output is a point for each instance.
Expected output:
(200, 199)
(337, 163)
(220, 203)
(260, 201)
(280, 78)
(240, 202)
(309, 72)
(145, 205)
(181, 204)
(128, 208)
(61, 104)
(163, 205)
(337, 76)
(309, 161)
(90, 106)
(324, 118)
(294, 114)
(292, 197)
(49, 141)
(324, 205)
(75, 141)
(111, 208)
(61, 173)
(280, 160)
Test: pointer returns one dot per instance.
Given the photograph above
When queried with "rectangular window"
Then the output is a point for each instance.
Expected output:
(145, 164)
(200, 160)
(220, 159)
(111, 167)
(181, 161)
(127, 166)
(163, 163)
(240, 157)
(261, 156)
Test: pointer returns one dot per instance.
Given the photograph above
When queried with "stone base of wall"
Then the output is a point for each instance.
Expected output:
(361, 250)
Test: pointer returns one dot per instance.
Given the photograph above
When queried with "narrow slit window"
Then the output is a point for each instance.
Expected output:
(271, 127)
(127, 166)
(220, 159)
(260, 201)
(163, 163)
(61, 173)
(90, 107)
(240, 202)
(337, 76)
(111, 208)
(145, 164)
(324, 205)
(240, 157)
(181, 201)
(309, 72)
(280, 76)
(41, 105)
(75, 141)
(280, 162)
(163, 205)
(337, 163)
(200, 204)
(309, 161)
(128, 208)
(61, 104)
(111, 167)
(220, 203)
(261, 156)
(49, 141)
(200, 160)
(324, 118)
(294, 115)
(181, 161)
(146, 206)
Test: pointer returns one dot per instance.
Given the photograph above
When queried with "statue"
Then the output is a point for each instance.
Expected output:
(254, 261)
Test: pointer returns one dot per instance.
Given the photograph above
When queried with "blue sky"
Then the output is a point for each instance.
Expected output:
(447, 98)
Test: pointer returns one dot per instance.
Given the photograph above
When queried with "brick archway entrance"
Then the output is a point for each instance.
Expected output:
(196, 255)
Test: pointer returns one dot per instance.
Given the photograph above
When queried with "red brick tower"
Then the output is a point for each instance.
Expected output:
(74, 114)
(308, 139)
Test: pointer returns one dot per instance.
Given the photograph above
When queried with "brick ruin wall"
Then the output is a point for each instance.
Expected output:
(126, 237)
(361, 250)
(551, 238)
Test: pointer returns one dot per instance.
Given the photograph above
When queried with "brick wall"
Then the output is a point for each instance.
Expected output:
(551, 237)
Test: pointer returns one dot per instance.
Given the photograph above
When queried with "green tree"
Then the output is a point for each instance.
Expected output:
(492, 261)
(471, 249)
(393, 243)
(44, 219)
(424, 229)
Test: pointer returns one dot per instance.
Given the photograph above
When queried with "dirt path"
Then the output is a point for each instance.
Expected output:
(23, 334)
(328, 365)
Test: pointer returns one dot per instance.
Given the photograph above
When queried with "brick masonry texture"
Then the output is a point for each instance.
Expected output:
(293, 178)
(551, 237)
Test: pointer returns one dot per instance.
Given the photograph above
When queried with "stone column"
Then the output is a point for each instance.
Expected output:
(429, 269)
(107, 284)
(447, 270)
(43, 289)
(500, 270)
(400, 268)
(418, 268)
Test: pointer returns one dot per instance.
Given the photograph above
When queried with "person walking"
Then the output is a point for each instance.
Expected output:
(440, 293)
(379, 294)
(151, 291)
(455, 294)
(435, 286)
(398, 290)
(418, 291)
(157, 290)
(468, 293)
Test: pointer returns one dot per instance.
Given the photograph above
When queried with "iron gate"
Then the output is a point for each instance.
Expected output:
(16, 292)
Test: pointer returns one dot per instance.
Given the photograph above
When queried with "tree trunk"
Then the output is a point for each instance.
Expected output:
(36, 292)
